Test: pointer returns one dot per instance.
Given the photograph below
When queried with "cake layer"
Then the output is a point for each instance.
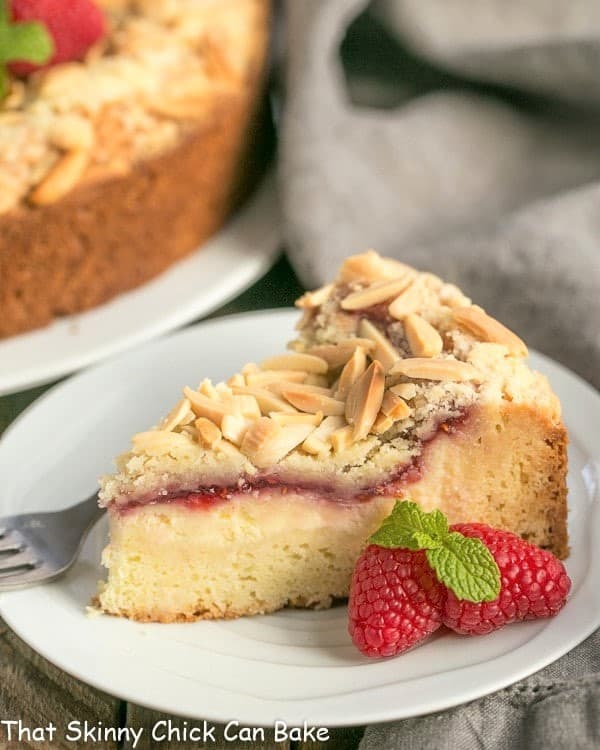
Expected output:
(250, 555)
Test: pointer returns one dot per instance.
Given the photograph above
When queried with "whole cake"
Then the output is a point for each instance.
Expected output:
(261, 492)
(114, 166)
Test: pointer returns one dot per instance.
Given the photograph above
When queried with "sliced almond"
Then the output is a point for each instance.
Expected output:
(61, 178)
(370, 266)
(250, 368)
(237, 379)
(315, 298)
(423, 339)
(203, 406)
(353, 369)
(266, 399)
(244, 405)
(482, 325)
(206, 388)
(338, 354)
(313, 402)
(298, 388)
(342, 438)
(375, 293)
(364, 400)
(159, 442)
(405, 390)
(382, 424)
(317, 442)
(234, 428)
(394, 407)
(181, 414)
(319, 380)
(297, 361)
(436, 369)
(384, 352)
(266, 442)
(408, 301)
(208, 432)
(269, 376)
(305, 319)
(283, 418)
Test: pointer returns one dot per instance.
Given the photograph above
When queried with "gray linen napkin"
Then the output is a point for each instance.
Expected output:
(462, 136)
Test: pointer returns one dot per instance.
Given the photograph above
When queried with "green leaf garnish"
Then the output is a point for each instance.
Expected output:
(26, 41)
(463, 564)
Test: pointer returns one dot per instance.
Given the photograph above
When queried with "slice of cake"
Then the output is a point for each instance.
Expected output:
(261, 492)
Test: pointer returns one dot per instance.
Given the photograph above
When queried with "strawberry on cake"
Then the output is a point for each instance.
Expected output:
(261, 492)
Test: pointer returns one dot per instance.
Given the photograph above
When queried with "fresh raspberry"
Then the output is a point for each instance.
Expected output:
(395, 601)
(75, 25)
(534, 584)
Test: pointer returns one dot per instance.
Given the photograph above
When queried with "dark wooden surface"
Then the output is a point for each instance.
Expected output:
(36, 692)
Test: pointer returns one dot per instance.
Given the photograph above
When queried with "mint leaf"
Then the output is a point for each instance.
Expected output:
(29, 42)
(466, 566)
(410, 527)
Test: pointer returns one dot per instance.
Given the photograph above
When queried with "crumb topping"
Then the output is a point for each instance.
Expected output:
(383, 357)
(139, 92)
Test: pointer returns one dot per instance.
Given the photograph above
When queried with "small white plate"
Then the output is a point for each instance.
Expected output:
(224, 266)
(292, 665)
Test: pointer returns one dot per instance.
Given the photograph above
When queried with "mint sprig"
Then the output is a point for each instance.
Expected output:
(463, 564)
(22, 41)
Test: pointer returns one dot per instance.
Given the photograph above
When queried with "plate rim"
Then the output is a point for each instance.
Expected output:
(371, 716)
(263, 198)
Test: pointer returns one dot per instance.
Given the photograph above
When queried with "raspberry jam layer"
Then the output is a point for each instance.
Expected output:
(205, 497)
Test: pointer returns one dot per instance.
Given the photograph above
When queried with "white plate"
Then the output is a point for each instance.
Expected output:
(292, 665)
(225, 265)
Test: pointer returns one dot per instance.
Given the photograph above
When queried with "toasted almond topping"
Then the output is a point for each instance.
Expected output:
(203, 406)
(250, 368)
(382, 424)
(159, 442)
(208, 432)
(364, 400)
(305, 319)
(244, 405)
(423, 339)
(266, 442)
(375, 293)
(283, 418)
(482, 325)
(342, 438)
(178, 108)
(338, 354)
(436, 369)
(269, 376)
(313, 402)
(234, 428)
(384, 352)
(61, 178)
(206, 388)
(317, 442)
(315, 298)
(224, 392)
(405, 390)
(237, 379)
(394, 407)
(298, 388)
(370, 266)
(181, 414)
(319, 380)
(408, 301)
(297, 361)
(353, 369)
(267, 400)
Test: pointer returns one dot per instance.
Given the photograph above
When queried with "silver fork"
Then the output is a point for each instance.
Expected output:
(38, 547)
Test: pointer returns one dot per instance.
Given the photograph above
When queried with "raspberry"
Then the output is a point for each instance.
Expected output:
(73, 24)
(534, 584)
(395, 601)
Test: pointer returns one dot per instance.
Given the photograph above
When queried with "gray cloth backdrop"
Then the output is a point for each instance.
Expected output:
(462, 136)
